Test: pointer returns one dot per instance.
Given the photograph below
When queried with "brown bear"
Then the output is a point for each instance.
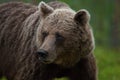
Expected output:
(45, 42)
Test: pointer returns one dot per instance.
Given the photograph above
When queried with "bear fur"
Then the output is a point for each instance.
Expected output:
(64, 35)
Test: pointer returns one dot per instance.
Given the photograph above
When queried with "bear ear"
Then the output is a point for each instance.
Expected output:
(44, 9)
(82, 17)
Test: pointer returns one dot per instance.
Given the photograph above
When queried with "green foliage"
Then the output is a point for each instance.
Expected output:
(62, 78)
(3, 78)
(108, 63)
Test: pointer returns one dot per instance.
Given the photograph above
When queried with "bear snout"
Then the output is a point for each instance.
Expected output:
(42, 54)
(45, 56)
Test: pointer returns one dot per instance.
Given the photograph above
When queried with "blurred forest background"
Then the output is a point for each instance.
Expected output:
(105, 21)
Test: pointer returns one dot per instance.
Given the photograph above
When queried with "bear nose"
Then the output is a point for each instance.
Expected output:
(42, 53)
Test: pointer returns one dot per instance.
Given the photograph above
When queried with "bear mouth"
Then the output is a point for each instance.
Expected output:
(45, 61)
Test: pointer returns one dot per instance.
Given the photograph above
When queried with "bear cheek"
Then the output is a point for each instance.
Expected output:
(51, 57)
(74, 55)
(67, 58)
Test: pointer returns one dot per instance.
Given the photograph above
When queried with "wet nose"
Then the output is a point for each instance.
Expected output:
(42, 53)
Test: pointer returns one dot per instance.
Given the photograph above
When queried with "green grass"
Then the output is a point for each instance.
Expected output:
(61, 79)
(3, 78)
(108, 61)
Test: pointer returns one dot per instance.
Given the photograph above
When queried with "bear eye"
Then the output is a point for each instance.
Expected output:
(59, 38)
(44, 34)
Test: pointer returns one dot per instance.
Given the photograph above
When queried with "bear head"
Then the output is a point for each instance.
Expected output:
(63, 35)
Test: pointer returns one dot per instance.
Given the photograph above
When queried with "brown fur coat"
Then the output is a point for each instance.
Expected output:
(18, 25)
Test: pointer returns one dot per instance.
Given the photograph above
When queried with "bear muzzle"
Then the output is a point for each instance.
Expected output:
(45, 57)
(42, 55)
